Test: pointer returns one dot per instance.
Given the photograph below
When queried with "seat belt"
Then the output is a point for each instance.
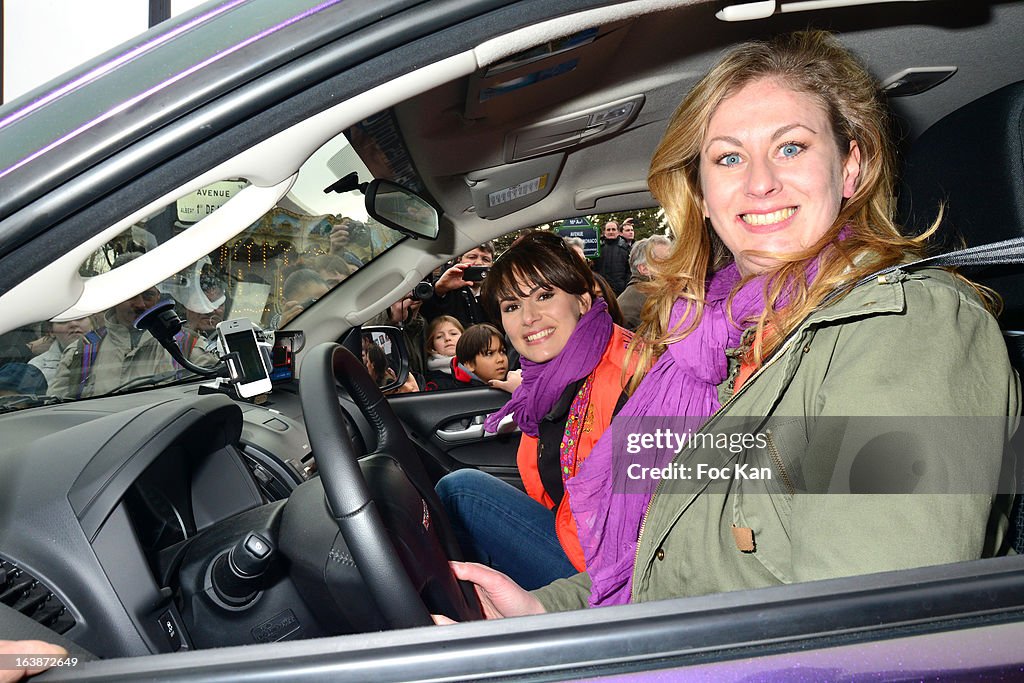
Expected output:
(994, 253)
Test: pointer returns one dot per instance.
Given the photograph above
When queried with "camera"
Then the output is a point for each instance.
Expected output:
(422, 291)
(358, 232)
(475, 273)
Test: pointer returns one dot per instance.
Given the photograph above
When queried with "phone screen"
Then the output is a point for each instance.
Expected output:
(244, 344)
(282, 355)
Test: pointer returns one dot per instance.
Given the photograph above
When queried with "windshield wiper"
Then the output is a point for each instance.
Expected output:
(19, 401)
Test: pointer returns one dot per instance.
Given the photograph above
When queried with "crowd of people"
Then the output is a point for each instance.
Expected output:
(457, 305)
(97, 354)
(102, 353)
(458, 308)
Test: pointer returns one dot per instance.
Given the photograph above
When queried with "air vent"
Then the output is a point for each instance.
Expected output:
(28, 595)
(275, 479)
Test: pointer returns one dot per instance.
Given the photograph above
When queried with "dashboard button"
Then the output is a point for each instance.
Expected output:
(170, 628)
(275, 423)
(257, 546)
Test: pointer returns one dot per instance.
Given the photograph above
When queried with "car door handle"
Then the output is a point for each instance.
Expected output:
(461, 431)
(473, 431)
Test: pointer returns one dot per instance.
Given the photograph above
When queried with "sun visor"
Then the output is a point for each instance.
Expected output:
(502, 190)
(572, 129)
(555, 71)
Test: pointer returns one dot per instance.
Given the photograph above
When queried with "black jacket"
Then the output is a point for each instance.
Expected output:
(456, 377)
(461, 304)
(613, 264)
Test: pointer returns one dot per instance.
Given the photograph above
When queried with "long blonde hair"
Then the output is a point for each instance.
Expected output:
(809, 62)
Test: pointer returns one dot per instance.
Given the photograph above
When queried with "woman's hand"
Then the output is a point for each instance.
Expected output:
(499, 595)
(510, 383)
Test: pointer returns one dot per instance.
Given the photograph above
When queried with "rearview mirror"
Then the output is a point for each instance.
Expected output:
(401, 209)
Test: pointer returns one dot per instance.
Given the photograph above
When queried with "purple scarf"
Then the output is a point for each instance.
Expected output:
(543, 383)
(681, 387)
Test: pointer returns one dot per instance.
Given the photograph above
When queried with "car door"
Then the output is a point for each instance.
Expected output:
(447, 427)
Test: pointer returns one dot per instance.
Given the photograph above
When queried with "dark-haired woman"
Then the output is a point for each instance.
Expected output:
(574, 375)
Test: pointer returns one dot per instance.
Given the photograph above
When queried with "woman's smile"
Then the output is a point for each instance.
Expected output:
(539, 336)
(771, 220)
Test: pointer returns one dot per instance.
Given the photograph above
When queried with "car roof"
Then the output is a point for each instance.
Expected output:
(57, 132)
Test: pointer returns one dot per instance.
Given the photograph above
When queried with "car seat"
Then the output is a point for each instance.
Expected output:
(972, 162)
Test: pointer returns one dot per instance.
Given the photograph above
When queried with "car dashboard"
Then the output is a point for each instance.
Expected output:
(104, 500)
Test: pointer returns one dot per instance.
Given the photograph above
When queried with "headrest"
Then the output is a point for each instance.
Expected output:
(973, 161)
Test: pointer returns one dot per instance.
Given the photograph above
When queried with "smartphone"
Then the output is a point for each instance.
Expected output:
(475, 273)
(238, 336)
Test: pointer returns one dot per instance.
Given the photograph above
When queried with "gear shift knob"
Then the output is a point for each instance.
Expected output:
(237, 574)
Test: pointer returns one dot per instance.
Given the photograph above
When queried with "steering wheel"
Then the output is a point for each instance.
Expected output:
(396, 587)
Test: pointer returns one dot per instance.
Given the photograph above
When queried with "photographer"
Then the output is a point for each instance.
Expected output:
(353, 241)
(457, 295)
(405, 314)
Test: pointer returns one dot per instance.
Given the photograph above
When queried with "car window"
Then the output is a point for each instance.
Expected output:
(317, 236)
(438, 322)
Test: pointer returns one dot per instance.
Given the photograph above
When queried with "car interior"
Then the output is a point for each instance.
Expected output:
(127, 519)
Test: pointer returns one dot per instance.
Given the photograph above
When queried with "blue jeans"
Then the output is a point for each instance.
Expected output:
(498, 525)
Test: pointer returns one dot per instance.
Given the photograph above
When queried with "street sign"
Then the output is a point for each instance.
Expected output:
(587, 233)
(197, 205)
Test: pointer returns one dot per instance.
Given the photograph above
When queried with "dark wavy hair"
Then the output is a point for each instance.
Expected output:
(542, 258)
(476, 340)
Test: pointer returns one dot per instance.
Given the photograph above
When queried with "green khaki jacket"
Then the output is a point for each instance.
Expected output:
(879, 431)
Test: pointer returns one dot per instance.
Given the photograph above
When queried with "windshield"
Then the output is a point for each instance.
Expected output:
(316, 237)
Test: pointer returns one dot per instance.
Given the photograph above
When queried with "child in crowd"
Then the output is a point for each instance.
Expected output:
(442, 336)
(481, 351)
(479, 358)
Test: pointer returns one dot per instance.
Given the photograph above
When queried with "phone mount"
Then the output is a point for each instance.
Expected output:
(163, 323)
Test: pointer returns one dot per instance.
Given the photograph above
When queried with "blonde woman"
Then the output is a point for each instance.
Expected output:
(780, 350)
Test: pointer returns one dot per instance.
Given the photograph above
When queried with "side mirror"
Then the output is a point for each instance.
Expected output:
(401, 209)
(385, 356)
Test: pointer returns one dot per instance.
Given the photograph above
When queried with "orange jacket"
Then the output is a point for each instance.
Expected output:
(605, 392)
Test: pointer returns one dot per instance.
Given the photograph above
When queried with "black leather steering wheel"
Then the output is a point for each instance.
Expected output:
(395, 586)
